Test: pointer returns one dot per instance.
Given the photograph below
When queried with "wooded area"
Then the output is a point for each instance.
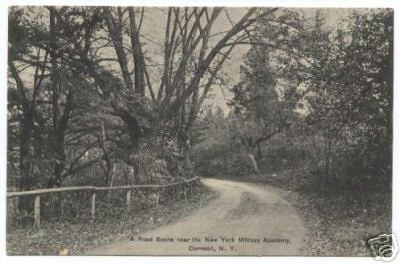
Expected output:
(95, 99)
(311, 96)
(88, 105)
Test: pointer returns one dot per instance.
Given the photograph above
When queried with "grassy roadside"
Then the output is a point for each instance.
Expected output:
(74, 239)
(338, 226)
(338, 221)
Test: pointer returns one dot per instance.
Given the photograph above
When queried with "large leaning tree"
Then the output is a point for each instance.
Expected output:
(85, 90)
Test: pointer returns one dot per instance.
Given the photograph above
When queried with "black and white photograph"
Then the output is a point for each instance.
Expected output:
(184, 130)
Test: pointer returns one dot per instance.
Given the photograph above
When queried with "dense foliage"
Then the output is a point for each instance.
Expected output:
(309, 96)
(95, 99)
(92, 101)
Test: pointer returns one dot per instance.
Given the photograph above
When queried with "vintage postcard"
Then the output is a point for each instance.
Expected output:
(199, 131)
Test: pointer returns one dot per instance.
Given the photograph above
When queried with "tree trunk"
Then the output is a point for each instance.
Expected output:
(60, 162)
(259, 152)
(115, 27)
(137, 54)
(253, 162)
(26, 181)
(56, 89)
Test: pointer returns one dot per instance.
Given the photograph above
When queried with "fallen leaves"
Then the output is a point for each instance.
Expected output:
(338, 227)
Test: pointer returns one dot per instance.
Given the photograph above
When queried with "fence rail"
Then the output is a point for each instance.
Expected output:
(93, 189)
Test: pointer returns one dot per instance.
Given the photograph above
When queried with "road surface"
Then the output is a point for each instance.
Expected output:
(245, 219)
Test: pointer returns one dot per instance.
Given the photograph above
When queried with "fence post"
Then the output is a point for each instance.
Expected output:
(128, 200)
(16, 207)
(62, 202)
(185, 192)
(93, 201)
(37, 211)
(158, 196)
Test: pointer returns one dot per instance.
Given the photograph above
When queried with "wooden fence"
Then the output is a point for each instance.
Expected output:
(157, 188)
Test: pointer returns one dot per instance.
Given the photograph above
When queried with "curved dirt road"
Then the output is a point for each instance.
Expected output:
(258, 220)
